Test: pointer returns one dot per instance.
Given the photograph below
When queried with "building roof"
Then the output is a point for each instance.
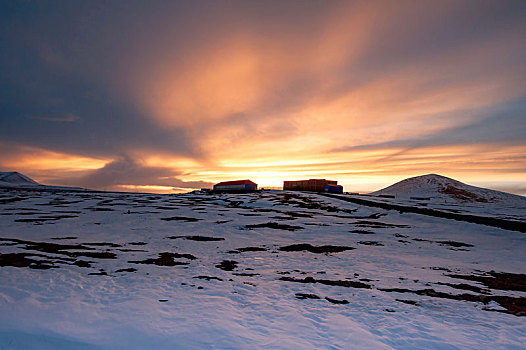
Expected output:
(236, 182)
(312, 180)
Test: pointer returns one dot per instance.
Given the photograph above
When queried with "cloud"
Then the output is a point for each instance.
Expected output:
(365, 68)
(127, 171)
(519, 189)
(66, 117)
(501, 125)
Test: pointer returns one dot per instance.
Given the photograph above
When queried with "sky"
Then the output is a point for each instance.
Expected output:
(169, 96)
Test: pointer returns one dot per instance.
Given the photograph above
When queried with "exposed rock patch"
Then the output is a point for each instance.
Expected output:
(275, 226)
(227, 265)
(315, 249)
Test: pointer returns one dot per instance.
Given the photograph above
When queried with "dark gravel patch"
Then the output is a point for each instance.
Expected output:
(377, 224)
(103, 244)
(82, 263)
(341, 283)
(454, 244)
(227, 265)
(247, 274)
(362, 232)
(12, 200)
(409, 302)
(497, 280)
(306, 296)
(373, 243)
(275, 226)
(180, 218)
(464, 286)
(199, 238)
(96, 255)
(247, 249)
(130, 269)
(166, 259)
(22, 260)
(71, 250)
(335, 301)
(315, 249)
(208, 278)
(512, 305)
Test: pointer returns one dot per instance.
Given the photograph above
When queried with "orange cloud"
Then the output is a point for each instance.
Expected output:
(232, 93)
(43, 165)
(357, 91)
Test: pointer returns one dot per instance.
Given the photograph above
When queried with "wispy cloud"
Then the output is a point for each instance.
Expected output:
(126, 171)
(499, 125)
(65, 117)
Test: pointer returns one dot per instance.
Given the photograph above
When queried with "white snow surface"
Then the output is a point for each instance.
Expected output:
(57, 301)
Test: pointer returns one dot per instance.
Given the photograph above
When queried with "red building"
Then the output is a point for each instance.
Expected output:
(314, 185)
(238, 185)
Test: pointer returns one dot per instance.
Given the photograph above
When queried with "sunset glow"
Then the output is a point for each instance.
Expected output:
(179, 96)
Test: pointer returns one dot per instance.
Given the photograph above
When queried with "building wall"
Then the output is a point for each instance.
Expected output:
(332, 188)
(242, 187)
(314, 185)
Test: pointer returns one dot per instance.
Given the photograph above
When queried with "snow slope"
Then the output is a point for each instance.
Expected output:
(272, 270)
(440, 192)
(14, 178)
(438, 186)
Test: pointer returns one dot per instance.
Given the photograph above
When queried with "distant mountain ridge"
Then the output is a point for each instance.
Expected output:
(435, 186)
(14, 178)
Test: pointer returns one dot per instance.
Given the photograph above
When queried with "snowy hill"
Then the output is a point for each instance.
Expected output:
(14, 179)
(442, 193)
(435, 186)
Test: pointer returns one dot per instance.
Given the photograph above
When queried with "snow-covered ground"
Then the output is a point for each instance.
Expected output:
(263, 270)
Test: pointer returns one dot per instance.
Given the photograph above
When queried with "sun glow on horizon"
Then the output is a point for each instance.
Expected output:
(357, 171)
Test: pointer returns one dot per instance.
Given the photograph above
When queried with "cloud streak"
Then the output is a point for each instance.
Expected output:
(126, 171)
(68, 117)
(505, 125)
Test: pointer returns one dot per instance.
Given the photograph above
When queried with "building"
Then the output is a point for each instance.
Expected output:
(238, 185)
(333, 188)
(313, 185)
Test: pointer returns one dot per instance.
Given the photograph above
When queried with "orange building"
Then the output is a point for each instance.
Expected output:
(237, 185)
(314, 185)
